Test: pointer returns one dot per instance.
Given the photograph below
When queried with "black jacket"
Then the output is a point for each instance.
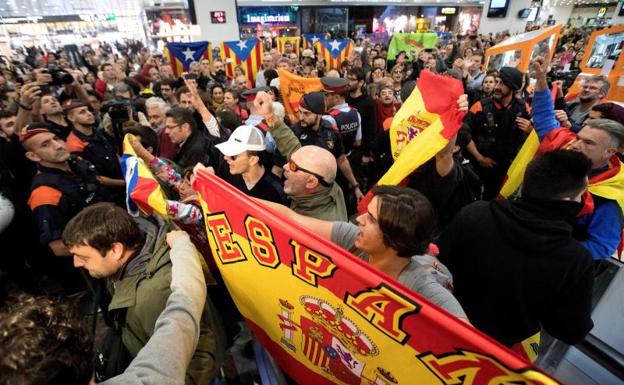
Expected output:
(198, 148)
(516, 266)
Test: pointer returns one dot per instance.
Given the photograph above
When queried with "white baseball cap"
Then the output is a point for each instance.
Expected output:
(244, 138)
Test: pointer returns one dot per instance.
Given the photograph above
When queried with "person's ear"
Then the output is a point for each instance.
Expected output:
(116, 251)
(32, 156)
(312, 182)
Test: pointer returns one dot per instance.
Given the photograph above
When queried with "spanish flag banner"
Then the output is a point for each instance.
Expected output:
(335, 52)
(410, 41)
(311, 39)
(424, 124)
(142, 190)
(181, 55)
(327, 317)
(294, 42)
(244, 53)
(293, 87)
(610, 183)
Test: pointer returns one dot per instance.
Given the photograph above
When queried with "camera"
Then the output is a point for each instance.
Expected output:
(59, 76)
(117, 109)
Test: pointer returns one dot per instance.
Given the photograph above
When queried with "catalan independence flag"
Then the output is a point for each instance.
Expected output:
(246, 53)
(335, 52)
(181, 55)
(310, 40)
(142, 190)
(422, 127)
(293, 40)
(328, 318)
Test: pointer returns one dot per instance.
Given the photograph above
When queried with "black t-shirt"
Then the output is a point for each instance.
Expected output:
(267, 188)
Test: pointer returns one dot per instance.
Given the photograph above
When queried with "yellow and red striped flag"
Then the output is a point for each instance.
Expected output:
(422, 127)
(335, 52)
(293, 87)
(310, 40)
(329, 318)
(246, 53)
(142, 189)
(293, 40)
(181, 55)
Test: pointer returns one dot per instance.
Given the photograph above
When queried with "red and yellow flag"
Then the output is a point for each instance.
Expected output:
(293, 40)
(335, 52)
(293, 87)
(181, 55)
(327, 317)
(422, 127)
(142, 189)
(245, 53)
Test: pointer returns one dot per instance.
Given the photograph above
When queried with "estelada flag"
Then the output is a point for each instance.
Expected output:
(244, 53)
(293, 87)
(142, 189)
(293, 40)
(422, 127)
(310, 40)
(334, 51)
(327, 317)
(181, 55)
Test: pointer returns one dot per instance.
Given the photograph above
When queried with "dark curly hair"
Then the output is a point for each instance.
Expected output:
(44, 341)
(406, 219)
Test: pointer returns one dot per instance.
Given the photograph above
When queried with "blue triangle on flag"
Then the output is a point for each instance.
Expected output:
(187, 53)
(242, 48)
(310, 37)
(334, 46)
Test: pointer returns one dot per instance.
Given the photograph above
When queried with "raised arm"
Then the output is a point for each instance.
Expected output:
(287, 142)
(543, 108)
(177, 328)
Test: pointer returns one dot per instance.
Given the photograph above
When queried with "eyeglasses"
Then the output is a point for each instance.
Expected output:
(172, 127)
(292, 166)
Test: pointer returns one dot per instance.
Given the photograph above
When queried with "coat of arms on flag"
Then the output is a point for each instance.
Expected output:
(335, 52)
(181, 55)
(244, 53)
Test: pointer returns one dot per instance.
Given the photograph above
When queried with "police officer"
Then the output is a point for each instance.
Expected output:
(340, 115)
(313, 130)
(498, 126)
(63, 185)
(90, 142)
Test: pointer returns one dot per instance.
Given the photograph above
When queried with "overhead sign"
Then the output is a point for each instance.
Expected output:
(448, 10)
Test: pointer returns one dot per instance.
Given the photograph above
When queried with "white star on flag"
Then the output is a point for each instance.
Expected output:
(188, 54)
(314, 40)
(242, 44)
(335, 46)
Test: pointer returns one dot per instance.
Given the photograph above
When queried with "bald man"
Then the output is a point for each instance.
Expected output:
(310, 172)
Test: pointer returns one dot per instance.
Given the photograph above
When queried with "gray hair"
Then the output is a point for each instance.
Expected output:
(278, 110)
(120, 88)
(606, 85)
(611, 127)
(156, 102)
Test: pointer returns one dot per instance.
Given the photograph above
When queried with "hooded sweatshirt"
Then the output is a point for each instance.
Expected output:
(516, 267)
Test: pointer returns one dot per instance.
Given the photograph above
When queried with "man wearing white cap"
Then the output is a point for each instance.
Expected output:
(243, 168)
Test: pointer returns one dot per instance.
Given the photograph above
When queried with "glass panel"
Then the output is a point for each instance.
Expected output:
(505, 59)
(606, 48)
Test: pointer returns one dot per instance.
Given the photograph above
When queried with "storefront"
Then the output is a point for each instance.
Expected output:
(268, 21)
(57, 31)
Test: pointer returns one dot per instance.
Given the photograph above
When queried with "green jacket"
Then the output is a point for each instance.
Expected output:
(327, 204)
(142, 288)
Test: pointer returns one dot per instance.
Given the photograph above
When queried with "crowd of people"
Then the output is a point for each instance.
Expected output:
(508, 267)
